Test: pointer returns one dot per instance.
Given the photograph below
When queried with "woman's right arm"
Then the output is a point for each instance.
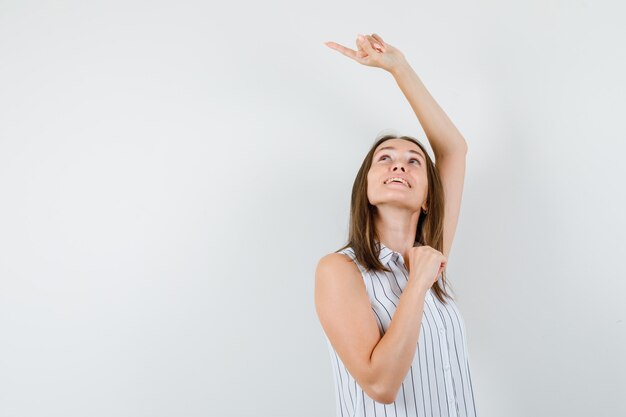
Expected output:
(379, 364)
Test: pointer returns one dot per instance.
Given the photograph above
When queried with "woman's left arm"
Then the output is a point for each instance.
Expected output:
(446, 141)
(443, 136)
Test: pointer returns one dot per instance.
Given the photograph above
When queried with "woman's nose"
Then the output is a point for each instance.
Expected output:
(396, 167)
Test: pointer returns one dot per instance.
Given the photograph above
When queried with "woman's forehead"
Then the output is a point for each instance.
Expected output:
(399, 145)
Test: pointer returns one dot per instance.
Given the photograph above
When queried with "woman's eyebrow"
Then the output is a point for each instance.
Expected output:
(392, 148)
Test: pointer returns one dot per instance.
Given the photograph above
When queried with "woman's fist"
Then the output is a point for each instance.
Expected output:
(425, 265)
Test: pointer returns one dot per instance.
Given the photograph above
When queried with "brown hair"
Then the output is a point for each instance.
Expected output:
(362, 237)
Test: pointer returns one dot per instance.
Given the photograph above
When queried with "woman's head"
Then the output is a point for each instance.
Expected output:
(393, 156)
(398, 174)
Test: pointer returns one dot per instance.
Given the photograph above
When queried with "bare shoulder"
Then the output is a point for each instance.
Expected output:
(336, 264)
(337, 273)
(335, 259)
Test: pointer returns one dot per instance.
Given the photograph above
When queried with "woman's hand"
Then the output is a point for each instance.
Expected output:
(425, 265)
(372, 51)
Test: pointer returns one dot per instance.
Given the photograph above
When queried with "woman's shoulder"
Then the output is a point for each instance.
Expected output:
(338, 257)
(341, 261)
(337, 273)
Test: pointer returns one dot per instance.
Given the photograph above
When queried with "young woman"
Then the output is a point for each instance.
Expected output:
(396, 338)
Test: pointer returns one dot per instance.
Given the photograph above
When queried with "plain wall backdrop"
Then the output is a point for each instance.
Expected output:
(171, 173)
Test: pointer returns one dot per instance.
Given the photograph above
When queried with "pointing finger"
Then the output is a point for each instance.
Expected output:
(350, 53)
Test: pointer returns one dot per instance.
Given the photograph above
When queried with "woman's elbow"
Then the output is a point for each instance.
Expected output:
(383, 395)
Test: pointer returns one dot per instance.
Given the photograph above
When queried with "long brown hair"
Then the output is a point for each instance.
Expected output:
(362, 236)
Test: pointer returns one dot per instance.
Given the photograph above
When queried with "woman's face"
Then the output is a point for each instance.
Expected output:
(398, 158)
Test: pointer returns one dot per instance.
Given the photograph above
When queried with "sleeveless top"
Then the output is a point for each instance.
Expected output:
(438, 383)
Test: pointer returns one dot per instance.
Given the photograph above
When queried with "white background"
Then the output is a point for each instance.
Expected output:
(171, 172)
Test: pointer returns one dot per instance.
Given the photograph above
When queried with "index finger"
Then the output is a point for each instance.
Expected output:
(351, 53)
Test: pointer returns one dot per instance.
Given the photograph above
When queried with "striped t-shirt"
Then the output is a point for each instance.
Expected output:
(438, 383)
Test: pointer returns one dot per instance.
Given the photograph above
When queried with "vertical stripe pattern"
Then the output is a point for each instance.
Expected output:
(438, 383)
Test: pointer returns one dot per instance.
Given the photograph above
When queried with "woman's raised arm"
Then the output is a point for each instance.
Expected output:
(447, 143)
(372, 51)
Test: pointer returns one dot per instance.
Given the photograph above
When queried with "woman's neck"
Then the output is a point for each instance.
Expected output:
(396, 228)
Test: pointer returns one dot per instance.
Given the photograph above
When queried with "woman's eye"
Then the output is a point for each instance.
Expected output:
(417, 160)
(384, 156)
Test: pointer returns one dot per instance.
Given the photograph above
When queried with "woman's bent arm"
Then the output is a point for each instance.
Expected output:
(379, 364)
(394, 353)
